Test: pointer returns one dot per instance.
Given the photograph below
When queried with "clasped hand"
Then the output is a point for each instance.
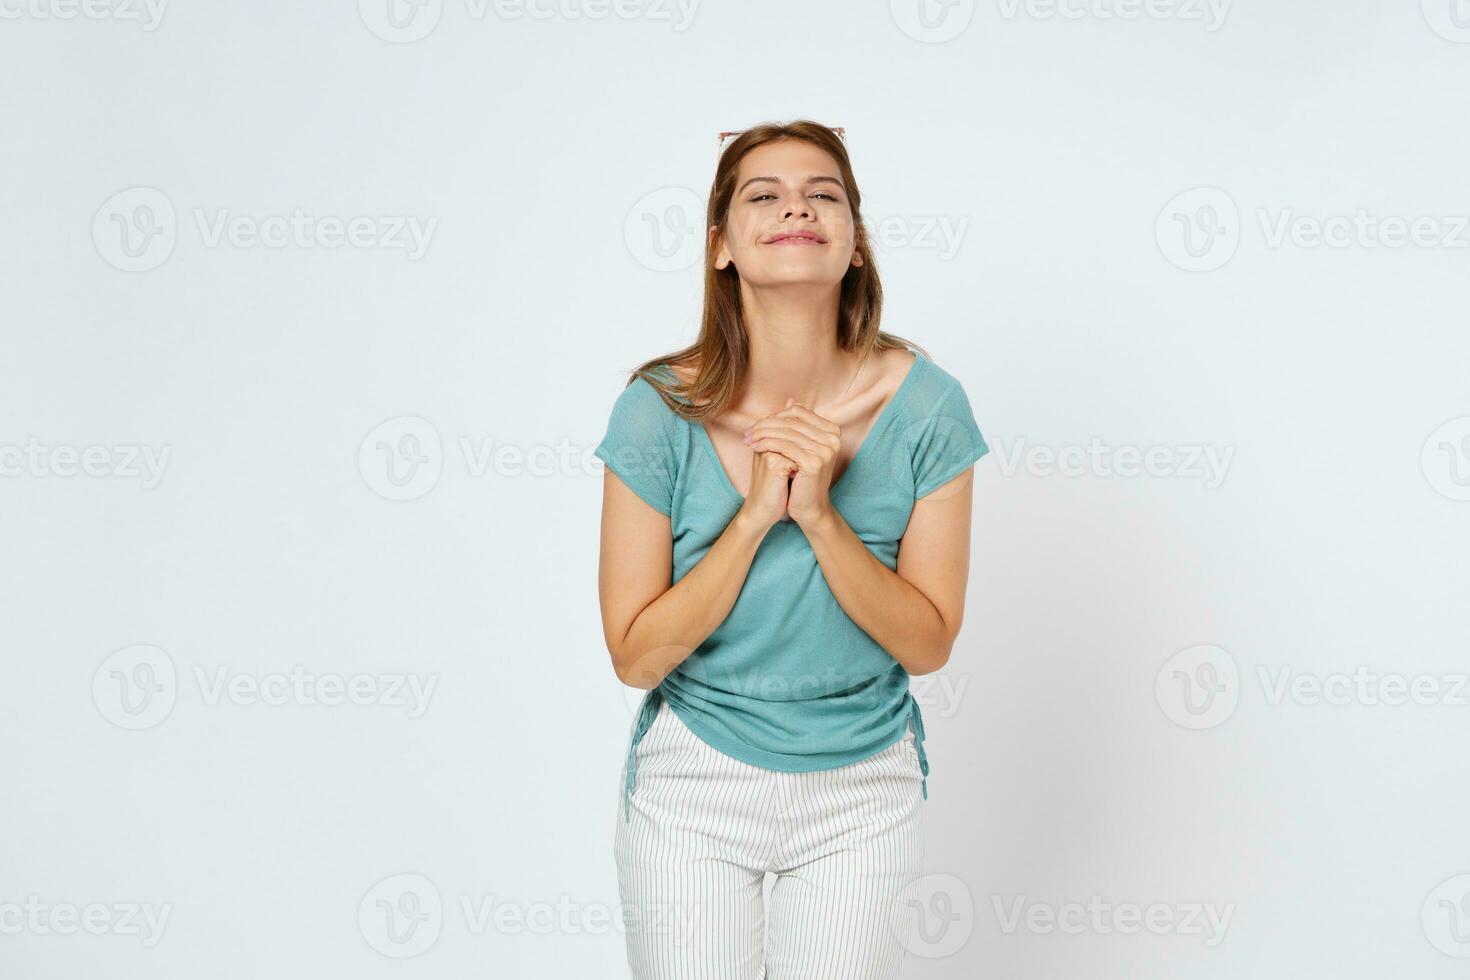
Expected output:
(803, 446)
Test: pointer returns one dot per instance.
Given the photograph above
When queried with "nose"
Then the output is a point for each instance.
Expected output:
(790, 209)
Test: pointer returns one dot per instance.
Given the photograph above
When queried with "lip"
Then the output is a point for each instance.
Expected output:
(796, 238)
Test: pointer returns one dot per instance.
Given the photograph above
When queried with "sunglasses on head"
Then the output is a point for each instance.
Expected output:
(841, 134)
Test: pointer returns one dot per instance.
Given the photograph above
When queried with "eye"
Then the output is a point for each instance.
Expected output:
(831, 197)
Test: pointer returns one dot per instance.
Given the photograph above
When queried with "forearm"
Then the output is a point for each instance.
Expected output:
(669, 629)
(899, 617)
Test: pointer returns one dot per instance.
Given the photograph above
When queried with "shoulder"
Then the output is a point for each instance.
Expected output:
(642, 417)
(638, 391)
(940, 431)
(639, 444)
(934, 390)
(639, 398)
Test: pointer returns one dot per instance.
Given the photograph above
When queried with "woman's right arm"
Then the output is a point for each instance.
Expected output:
(650, 626)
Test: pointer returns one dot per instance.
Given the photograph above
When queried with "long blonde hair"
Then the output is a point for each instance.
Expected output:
(722, 348)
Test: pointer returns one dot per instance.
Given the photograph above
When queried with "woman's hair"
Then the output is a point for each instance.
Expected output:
(722, 348)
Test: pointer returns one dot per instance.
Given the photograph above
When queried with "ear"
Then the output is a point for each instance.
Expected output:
(717, 244)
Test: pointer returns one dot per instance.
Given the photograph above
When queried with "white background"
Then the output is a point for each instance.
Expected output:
(1112, 188)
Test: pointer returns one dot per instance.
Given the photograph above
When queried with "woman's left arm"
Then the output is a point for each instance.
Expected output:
(915, 612)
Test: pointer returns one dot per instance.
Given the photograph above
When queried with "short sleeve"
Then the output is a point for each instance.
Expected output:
(637, 446)
(947, 441)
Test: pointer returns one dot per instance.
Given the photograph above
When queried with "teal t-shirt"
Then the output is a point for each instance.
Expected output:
(788, 681)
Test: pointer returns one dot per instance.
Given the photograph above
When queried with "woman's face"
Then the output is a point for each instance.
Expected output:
(790, 220)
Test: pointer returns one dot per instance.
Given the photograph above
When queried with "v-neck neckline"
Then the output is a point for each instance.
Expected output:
(874, 431)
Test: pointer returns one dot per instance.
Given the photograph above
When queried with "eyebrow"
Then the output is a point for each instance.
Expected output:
(777, 180)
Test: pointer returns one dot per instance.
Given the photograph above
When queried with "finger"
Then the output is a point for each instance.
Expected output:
(797, 430)
(800, 411)
(795, 411)
(777, 461)
(807, 461)
(790, 437)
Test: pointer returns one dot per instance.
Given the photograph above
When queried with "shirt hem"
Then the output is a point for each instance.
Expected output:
(777, 761)
(632, 484)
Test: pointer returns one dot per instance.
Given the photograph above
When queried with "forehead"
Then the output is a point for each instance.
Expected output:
(790, 160)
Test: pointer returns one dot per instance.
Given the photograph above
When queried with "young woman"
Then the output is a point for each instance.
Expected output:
(785, 540)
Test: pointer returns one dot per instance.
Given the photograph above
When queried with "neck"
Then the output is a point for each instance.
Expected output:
(793, 348)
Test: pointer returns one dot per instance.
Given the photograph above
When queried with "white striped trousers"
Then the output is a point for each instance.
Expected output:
(845, 844)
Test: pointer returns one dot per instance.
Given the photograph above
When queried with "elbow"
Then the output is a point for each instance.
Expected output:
(620, 667)
(629, 663)
(932, 662)
(937, 656)
(629, 673)
(642, 681)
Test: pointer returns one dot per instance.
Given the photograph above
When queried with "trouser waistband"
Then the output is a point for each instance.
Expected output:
(648, 711)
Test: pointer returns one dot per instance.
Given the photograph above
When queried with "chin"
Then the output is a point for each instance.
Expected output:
(796, 274)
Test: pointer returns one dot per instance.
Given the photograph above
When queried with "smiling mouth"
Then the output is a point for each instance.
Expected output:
(796, 240)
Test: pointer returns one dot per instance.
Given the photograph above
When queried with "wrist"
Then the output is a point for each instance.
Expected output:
(748, 525)
(820, 521)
